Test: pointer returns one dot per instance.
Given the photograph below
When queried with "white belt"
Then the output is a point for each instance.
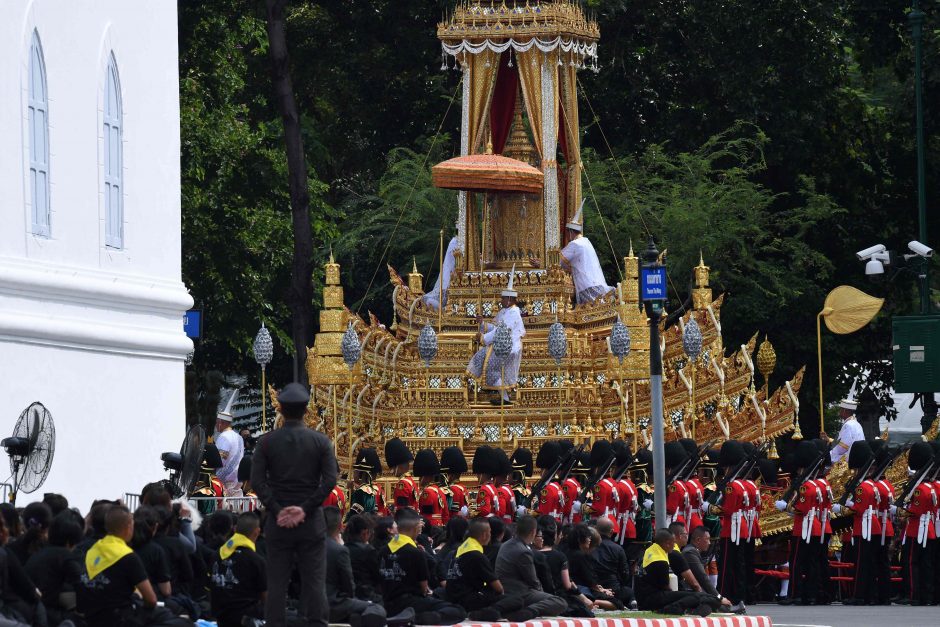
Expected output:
(866, 523)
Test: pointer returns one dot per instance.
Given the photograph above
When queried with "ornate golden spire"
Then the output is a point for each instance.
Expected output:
(702, 294)
(415, 279)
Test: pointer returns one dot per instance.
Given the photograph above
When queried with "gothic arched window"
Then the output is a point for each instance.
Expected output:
(38, 140)
(113, 159)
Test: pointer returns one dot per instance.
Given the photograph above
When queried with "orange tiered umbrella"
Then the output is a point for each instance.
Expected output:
(487, 173)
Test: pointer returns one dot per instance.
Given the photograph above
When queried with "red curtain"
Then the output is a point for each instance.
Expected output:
(504, 101)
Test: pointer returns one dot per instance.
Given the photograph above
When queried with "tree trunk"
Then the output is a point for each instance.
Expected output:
(300, 293)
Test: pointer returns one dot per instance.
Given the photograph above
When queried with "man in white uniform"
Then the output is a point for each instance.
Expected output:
(580, 259)
(232, 448)
(433, 297)
(851, 430)
(501, 374)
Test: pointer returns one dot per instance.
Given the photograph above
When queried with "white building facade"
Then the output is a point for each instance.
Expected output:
(91, 296)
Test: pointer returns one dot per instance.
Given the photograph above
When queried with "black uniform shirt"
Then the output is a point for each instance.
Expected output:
(468, 576)
(155, 562)
(236, 583)
(401, 572)
(293, 465)
(112, 589)
(54, 570)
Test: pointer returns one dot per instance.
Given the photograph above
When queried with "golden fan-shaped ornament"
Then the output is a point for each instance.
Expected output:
(847, 309)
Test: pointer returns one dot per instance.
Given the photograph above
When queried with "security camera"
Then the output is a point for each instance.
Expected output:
(922, 250)
(874, 267)
(870, 252)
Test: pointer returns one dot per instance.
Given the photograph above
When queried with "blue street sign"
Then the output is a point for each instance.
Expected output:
(192, 323)
(653, 283)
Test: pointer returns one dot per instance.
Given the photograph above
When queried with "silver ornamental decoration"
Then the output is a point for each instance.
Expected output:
(692, 339)
(427, 344)
(263, 347)
(502, 341)
(619, 340)
(557, 342)
(352, 351)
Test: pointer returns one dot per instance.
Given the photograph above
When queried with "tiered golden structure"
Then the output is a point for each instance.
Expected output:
(390, 391)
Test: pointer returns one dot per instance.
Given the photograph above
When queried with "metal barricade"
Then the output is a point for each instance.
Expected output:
(6, 491)
(237, 504)
(131, 501)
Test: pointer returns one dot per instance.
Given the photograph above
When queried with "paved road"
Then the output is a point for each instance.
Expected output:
(849, 616)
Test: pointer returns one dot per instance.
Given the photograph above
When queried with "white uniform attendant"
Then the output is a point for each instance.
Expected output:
(850, 432)
(432, 298)
(232, 448)
(580, 258)
(484, 358)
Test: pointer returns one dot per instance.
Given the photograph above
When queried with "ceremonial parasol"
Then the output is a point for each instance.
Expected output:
(487, 173)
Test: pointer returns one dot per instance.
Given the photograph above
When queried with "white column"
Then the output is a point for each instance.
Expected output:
(549, 150)
(464, 150)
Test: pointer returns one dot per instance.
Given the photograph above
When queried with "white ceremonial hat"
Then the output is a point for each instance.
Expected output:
(577, 224)
(509, 291)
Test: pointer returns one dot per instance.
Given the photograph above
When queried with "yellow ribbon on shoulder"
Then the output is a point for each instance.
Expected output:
(105, 553)
(236, 541)
(399, 541)
(469, 545)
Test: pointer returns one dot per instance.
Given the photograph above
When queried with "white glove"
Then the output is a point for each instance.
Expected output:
(648, 504)
(780, 505)
(464, 511)
(893, 510)
(704, 508)
(850, 503)
(575, 507)
(836, 508)
(521, 510)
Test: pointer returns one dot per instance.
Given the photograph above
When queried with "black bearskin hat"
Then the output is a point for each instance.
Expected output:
(691, 448)
(806, 454)
(211, 458)
(674, 454)
(859, 454)
(919, 456)
(549, 454)
(748, 447)
(484, 461)
(600, 453)
(768, 471)
(788, 463)
(453, 460)
(522, 461)
(396, 452)
(731, 453)
(564, 446)
(881, 450)
(503, 465)
(622, 452)
(426, 464)
(368, 461)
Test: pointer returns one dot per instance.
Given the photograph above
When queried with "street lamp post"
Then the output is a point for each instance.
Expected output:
(916, 18)
(654, 278)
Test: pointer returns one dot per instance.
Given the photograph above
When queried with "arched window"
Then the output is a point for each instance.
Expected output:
(38, 140)
(113, 159)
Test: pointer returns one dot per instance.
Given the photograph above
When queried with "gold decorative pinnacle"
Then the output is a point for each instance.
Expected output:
(766, 358)
(415, 278)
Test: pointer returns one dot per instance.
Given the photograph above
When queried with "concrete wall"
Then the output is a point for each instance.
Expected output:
(94, 333)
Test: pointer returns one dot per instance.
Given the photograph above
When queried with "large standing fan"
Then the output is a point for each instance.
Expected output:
(31, 448)
(184, 466)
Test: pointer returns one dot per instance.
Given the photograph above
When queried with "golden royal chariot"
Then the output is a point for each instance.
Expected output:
(519, 64)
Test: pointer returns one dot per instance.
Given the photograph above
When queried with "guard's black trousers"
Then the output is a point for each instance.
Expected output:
(303, 546)
(804, 569)
(917, 570)
(732, 583)
(866, 554)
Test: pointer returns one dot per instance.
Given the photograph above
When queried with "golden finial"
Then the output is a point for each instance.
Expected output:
(772, 451)
(331, 254)
(414, 265)
(766, 358)
(630, 254)
(415, 279)
(489, 146)
(701, 258)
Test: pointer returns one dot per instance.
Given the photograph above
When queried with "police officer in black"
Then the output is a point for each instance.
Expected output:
(293, 471)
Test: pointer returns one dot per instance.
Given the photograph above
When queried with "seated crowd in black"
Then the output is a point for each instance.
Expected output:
(152, 567)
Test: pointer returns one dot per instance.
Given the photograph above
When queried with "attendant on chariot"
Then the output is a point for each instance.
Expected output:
(580, 259)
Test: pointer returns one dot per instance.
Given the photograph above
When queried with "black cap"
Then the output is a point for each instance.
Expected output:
(294, 393)
(396, 452)
(642, 459)
(549, 454)
(600, 453)
(859, 454)
(426, 464)
(453, 460)
(582, 464)
(522, 461)
(368, 461)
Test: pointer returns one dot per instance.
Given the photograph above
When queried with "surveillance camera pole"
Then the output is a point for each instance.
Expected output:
(916, 19)
(654, 310)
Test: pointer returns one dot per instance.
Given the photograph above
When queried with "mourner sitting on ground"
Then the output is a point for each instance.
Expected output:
(239, 582)
(652, 588)
(340, 585)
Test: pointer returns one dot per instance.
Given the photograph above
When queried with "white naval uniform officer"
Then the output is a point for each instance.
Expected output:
(580, 259)
(501, 374)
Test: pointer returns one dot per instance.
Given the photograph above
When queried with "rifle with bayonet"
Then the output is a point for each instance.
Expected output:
(743, 469)
(808, 473)
(597, 477)
(549, 473)
(689, 468)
